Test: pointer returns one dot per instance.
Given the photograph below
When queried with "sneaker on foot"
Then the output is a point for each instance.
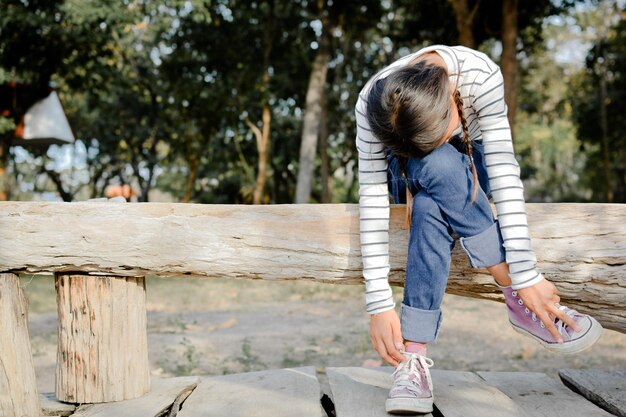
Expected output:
(412, 390)
(526, 322)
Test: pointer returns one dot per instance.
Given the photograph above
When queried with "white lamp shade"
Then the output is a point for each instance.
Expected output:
(45, 123)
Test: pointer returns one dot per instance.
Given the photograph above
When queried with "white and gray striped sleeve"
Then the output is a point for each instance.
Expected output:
(373, 215)
(504, 180)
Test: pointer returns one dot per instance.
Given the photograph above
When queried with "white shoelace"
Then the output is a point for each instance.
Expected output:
(401, 374)
(561, 325)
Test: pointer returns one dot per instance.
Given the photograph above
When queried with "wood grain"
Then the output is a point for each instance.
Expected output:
(52, 407)
(360, 392)
(285, 392)
(580, 247)
(156, 403)
(541, 396)
(18, 387)
(465, 394)
(607, 389)
(102, 352)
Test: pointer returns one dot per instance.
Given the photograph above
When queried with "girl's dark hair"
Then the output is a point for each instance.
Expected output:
(409, 112)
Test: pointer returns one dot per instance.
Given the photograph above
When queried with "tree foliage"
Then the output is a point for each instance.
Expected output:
(599, 96)
(167, 95)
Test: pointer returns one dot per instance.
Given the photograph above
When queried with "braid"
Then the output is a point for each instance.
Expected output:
(396, 101)
(466, 140)
(402, 162)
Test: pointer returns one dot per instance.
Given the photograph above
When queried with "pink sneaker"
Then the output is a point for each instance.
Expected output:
(526, 322)
(412, 390)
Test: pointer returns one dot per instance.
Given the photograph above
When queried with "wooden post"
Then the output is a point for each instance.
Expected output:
(102, 352)
(18, 387)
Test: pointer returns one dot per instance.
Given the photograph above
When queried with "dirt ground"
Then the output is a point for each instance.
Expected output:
(221, 326)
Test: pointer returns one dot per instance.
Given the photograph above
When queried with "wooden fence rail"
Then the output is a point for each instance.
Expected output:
(101, 253)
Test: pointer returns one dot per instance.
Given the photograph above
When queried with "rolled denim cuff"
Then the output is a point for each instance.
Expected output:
(420, 325)
(485, 248)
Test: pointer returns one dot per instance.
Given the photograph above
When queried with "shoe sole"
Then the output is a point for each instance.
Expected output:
(409, 405)
(584, 342)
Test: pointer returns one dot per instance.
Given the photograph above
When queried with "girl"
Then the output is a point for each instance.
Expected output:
(432, 129)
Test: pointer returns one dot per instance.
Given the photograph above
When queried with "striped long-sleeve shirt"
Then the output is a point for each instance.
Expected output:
(480, 83)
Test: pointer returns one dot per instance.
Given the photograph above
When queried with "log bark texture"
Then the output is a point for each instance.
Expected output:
(102, 350)
(579, 247)
(18, 387)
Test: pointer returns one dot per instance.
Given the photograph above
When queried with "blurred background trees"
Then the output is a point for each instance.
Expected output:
(231, 101)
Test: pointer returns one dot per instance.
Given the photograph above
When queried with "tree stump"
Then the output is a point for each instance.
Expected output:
(102, 351)
(18, 387)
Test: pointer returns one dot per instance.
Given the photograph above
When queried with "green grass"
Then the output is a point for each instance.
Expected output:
(248, 360)
(180, 363)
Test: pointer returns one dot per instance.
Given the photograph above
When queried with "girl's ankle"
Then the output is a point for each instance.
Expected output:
(415, 347)
(501, 286)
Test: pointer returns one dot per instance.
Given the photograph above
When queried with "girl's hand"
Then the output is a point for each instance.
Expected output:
(386, 336)
(542, 298)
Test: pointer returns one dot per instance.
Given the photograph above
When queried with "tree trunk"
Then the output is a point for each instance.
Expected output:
(606, 158)
(508, 62)
(55, 177)
(4, 162)
(578, 246)
(263, 135)
(262, 143)
(312, 119)
(620, 194)
(325, 168)
(194, 164)
(144, 186)
(263, 147)
(465, 21)
(18, 387)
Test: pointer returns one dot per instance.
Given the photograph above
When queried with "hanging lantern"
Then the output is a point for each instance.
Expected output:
(44, 123)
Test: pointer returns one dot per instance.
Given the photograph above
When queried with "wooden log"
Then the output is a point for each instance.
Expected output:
(541, 396)
(580, 247)
(18, 387)
(607, 389)
(102, 350)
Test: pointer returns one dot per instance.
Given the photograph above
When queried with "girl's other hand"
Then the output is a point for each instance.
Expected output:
(542, 299)
(386, 336)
